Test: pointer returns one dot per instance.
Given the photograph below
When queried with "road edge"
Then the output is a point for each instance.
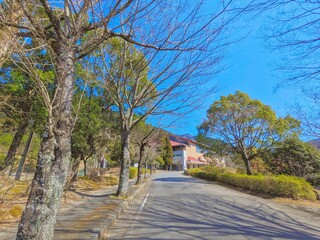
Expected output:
(102, 232)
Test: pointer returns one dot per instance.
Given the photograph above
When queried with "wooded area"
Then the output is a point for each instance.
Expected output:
(81, 79)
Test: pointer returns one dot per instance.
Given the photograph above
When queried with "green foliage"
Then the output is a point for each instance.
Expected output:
(2, 158)
(313, 179)
(275, 186)
(208, 172)
(96, 127)
(166, 151)
(246, 125)
(133, 172)
(25, 103)
(158, 161)
(213, 147)
(259, 166)
(293, 157)
(6, 139)
(144, 170)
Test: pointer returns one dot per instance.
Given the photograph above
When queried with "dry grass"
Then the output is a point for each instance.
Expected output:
(14, 194)
(86, 184)
(13, 197)
(305, 205)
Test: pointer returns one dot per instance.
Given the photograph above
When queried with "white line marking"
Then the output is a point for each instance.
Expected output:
(144, 202)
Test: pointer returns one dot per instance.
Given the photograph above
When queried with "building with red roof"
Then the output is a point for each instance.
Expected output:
(186, 153)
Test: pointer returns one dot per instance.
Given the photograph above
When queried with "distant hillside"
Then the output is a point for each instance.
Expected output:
(188, 136)
(315, 142)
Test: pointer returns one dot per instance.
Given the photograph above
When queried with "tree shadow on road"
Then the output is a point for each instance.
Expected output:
(181, 179)
(201, 216)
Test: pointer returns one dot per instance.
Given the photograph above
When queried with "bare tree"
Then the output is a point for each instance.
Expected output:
(143, 135)
(144, 81)
(8, 10)
(309, 113)
(152, 156)
(70, 30)
(19, 109)
(293, 31)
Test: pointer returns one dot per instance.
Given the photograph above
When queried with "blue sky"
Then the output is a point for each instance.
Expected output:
(251, 70)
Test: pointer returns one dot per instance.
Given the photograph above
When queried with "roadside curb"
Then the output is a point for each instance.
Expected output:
(102, 231)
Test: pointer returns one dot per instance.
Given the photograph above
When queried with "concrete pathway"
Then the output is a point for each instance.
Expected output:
(180, 207)
(88, 218)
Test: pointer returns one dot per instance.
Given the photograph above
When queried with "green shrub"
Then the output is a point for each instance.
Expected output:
(314, 179)
(6, 139)
(2, 158)
(275, 186)
(144, 171)
(133, 172)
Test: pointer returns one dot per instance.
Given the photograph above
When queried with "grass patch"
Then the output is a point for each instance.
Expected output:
(273, 186)
(16, 211)
(114, 196)
(306, 205)
(12, 190)
(13, 196)
(85, 183)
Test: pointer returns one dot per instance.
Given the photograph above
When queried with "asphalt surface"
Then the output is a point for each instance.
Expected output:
(180, 207)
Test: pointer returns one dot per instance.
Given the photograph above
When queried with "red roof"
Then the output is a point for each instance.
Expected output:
(174, 143)
(192, 159)
(197, 160)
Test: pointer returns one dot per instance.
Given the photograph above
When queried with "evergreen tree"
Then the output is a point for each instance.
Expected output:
(166, 151)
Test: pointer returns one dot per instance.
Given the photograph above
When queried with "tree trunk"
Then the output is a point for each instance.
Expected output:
(138, 182)
(125, 164)
(39, 216)
(73, 174)
(14, 147)
(24, 156)
(248, 167)
(85, 165)
(146, 168)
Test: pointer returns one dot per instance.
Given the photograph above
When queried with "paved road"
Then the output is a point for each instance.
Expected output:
(181, 207)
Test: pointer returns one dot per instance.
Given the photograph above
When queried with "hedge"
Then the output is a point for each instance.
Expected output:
(144, 171)
(133, 172)
(275, 186)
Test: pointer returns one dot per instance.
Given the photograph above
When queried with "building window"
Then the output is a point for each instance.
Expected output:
(198, 149)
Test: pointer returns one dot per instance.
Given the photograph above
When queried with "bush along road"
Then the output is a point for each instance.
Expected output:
(182, 207)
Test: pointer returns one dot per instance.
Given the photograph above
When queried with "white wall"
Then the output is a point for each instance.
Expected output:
(180, 157)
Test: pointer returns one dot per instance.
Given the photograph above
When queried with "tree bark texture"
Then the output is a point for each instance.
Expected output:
(85, 168)
(141, 150)
(73, 173)
(124, 164)
(248, 167)
(24, 156)
(146, 172)
(38, 219)
(14, 147)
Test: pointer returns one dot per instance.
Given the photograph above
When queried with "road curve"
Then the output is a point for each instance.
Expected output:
(181, 207)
